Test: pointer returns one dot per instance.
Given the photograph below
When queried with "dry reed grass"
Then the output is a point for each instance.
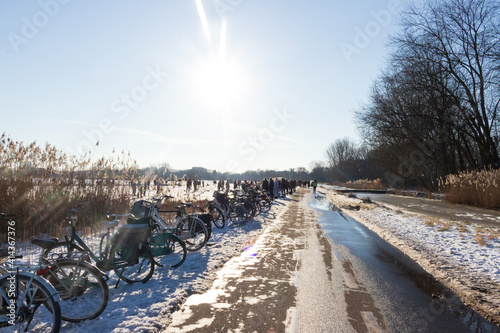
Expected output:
(431, 222)
(477, 188)
(462, 227)
(486, 235)
(41, 183)
(364, 184)
(445, 226)
(480, 239)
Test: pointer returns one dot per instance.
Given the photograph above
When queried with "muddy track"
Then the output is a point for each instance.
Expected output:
(259, 295)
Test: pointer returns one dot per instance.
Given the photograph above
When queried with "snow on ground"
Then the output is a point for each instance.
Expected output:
(147, 307)
(447, 249)
(463, 256)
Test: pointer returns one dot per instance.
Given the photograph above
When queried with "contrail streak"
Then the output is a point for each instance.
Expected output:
(203, 19)
(223, 39)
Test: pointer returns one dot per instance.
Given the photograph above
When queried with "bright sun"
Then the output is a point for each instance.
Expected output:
(219, 82)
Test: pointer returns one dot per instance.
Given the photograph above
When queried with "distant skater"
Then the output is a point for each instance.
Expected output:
(314, 185)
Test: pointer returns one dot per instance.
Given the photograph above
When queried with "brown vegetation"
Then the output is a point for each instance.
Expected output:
(41, 183)
(364, 184)
(477, 188)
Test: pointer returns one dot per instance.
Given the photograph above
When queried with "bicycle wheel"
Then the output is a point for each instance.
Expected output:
(193, 232)
(36, 305)
(177, 252)
(139, 270)
(217, 217)
(83, 291)
(249, 209)
(264, 206)
(238, 215)
(104, 246)
(60, 251)
(257, 207)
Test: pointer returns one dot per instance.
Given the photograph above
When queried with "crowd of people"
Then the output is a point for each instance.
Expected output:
(276, 187)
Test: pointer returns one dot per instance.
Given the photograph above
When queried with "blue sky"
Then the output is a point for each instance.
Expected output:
(229, 85)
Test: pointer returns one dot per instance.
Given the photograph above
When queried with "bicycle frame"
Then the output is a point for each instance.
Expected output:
(75, 238)
(155, 215)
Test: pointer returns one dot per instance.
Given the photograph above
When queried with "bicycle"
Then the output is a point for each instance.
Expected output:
(22, 294)
(81, 286)
(163, 240)
(216, 215)
(259, 200)
(188, 227)
(232, 209)
(129, 256)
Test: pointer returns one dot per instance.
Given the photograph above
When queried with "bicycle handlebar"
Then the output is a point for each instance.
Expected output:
(73, 210)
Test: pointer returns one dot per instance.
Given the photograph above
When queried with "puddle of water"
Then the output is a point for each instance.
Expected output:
(441, 299)
(323, 203)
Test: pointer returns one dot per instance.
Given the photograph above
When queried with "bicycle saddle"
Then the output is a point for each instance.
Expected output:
(44, 243)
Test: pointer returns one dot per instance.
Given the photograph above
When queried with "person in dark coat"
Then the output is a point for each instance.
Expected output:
(271, 188)
(265, 185)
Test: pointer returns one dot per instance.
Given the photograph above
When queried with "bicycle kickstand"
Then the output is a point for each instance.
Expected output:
(116, 285)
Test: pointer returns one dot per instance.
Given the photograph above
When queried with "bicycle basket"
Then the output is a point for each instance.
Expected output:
(141, 208)
(160, 243)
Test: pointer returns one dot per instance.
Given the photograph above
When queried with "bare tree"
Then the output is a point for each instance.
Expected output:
(461, 39)
(341, 151)
(434, 111)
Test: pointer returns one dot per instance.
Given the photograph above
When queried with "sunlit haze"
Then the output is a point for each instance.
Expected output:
(230, 85)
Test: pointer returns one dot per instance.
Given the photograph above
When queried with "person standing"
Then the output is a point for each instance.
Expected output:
(271, 188)
(265, 185)
(134, 187)
(277, 188)
(314, 185)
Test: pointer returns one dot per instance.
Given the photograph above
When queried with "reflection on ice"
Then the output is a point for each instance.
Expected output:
(322, 203)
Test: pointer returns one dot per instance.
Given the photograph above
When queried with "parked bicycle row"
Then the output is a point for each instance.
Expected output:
(71, 282)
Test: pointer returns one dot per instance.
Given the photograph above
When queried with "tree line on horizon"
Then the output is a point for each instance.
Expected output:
(165, 173)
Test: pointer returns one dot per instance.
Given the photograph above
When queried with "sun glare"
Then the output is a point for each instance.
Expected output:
(219, 83)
